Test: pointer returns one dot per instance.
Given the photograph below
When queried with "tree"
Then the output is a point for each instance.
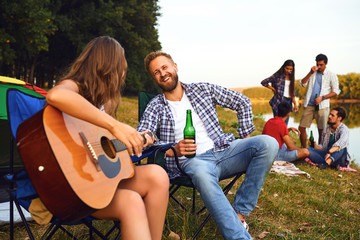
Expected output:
(43, 37)
(25, 27)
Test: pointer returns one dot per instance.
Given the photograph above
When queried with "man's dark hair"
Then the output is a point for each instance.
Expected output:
(340, 112)
(283, 109)
(321, 57)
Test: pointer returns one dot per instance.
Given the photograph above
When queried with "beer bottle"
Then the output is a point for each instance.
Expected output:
(312, 144)
(189, 130)
(316, 106)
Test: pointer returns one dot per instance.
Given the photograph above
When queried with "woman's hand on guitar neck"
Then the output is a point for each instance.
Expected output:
(128, 135)
(148, 138)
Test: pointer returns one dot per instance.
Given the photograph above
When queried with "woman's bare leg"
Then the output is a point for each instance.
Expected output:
(152, 183)
(140, 203)
(128, 207)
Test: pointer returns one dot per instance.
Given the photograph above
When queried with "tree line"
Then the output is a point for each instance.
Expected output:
(40, 38)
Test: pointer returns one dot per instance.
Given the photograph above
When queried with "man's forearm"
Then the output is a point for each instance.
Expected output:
(333, 149)
(306, 78)
(329, 95)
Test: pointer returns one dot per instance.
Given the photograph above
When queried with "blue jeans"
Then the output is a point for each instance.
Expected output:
(338, 158)
(253, 156)
(286, 155)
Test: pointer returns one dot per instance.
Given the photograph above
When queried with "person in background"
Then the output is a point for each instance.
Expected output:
(334, 142)
(276, 128)
(91, 91)
(323, 84)
(218, 155)
(282, 83)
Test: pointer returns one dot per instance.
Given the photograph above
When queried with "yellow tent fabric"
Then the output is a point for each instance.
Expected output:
(11, 80)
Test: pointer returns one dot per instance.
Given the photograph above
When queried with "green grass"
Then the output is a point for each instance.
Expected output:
(325, 206)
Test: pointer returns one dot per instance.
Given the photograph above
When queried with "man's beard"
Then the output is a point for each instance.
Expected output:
(330, 123)
(171, 86)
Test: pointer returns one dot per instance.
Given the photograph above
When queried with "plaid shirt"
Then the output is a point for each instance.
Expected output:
(341, 137)
(277, 81)
(203, 97)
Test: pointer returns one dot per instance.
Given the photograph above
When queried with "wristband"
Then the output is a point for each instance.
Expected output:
(323, 98)
(329, 152)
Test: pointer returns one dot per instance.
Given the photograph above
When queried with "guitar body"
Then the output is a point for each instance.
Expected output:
(70, 182)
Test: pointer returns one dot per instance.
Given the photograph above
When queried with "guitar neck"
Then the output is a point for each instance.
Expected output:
(119, 146)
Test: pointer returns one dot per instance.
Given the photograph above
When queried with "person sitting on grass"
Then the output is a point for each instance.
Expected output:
(276, 127)
(334, 142)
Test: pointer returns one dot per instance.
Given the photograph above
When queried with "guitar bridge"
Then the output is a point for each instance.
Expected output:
(90, 150)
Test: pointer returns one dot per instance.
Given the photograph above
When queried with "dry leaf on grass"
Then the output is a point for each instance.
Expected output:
(174, 236)
(263, 234)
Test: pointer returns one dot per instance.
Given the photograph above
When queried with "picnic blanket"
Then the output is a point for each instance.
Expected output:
(287, 168)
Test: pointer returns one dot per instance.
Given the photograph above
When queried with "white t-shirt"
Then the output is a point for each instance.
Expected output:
(287, 89)
(178, 109)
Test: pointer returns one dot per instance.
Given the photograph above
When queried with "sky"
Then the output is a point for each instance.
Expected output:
(238, 43)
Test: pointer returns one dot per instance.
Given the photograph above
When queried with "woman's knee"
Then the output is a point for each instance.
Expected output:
(157, 176)
(126, 203)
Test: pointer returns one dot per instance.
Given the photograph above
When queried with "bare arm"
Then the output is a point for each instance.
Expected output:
(289, 144)
(306, 78)
(66, 98)
(319, 99)
(296, 106)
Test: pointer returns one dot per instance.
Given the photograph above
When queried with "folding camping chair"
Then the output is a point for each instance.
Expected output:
(21, 106)
(184, 180)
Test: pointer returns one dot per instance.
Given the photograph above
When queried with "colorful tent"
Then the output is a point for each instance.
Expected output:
(5, 84)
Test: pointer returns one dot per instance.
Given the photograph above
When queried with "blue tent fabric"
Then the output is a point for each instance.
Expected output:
(20, 111)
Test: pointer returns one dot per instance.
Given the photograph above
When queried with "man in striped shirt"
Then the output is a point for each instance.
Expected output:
(218, 155)
(334, 142)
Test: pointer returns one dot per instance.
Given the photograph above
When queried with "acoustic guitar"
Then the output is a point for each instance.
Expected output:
(74, 166)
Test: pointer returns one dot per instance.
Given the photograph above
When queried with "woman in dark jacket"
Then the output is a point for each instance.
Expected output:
(282, 83)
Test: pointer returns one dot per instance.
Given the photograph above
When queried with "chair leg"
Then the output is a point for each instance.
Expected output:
(89, 225)
(193, 204)
(174, 189)
(112, 229)
(11, 218)
(201, 227)
(28, 230)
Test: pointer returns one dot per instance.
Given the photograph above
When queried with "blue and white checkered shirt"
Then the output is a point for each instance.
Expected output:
(203, 97)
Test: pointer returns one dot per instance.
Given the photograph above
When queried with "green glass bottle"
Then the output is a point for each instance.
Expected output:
(311, 139)
(316, 106)
(189, 130)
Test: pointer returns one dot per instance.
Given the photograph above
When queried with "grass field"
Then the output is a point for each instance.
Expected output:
(324, 206)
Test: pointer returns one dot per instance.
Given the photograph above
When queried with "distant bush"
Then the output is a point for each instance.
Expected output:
(258, 92)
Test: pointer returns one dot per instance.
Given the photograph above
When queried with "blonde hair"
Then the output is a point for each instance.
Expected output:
(151, 56)
(100, 72)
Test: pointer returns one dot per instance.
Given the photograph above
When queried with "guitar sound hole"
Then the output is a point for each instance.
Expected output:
(107, 147)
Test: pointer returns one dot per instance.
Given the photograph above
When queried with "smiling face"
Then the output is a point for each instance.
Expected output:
(164, 72)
